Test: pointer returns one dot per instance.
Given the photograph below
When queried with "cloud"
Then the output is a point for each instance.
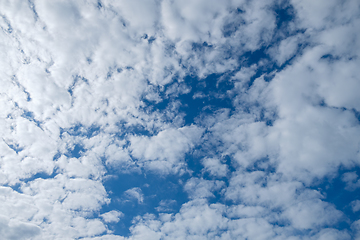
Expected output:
(165, 151)
(198, 219)
(91, 89)
(215, 167)
(323, 14)
(135, 193)
(351, 180)
(300, 145)
(195, 218)
(312, 214)
(286, 49)
(200, 188)
(332, 234)
(12, 229)
(107, 237)
(355, 205)
(166, 205)
(112, 216)
(59, 207)
(356, 228)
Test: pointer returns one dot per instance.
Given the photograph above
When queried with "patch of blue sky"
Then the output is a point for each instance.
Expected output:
(39, 175)
(285, 14)
(205, 97)
(76, 151)
(14, 146)
(336, 190)
(155, 189)
(30, 116)
(81, 130)
(356, 113)
(126, 129)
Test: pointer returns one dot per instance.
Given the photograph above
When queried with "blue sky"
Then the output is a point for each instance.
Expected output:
(160, 119)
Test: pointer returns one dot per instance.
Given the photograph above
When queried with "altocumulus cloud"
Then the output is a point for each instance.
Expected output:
(165, 119)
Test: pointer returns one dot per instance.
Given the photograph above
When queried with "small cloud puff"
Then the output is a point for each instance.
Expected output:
(166, 205)
(355, 205)
(135, 193)
(112, 217)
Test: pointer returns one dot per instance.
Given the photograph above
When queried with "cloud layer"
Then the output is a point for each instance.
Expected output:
(250, 108)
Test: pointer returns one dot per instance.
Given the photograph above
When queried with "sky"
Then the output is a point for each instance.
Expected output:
(169, 119)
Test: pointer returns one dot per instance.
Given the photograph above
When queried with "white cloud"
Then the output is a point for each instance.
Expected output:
(165, 151)
(351, 180)
(306, 131)
(356, 228)
(166, 205)
(355, 205)
(200, 188)
(12, 229)
(107, 237)
(46, 209)
(312, 214)
(140, 15)
(215, 167)
(245, 74)
(112, 216)
(67, 64)
(195, 220)
(241, 137)
(117, 155)
(287, 48)
(324, 14)
(332, 234)
(199, 220)
(135, 193)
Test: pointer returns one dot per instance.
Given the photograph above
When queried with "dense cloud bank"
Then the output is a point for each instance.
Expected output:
(230, 119)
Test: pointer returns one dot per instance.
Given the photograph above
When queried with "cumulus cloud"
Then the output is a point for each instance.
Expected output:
(355, 205)
(12, 229)
(112, 216)
(215, 167)
(165, 151)
(135, 193)
(200, 188)
(91, 89)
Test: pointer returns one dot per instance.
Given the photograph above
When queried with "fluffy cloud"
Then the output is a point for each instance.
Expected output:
(135, 193)
(200, 188)
(355, 205)
(12, 229)
(95, 88)
(112, 216)
(215, 167)
(165, 151)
